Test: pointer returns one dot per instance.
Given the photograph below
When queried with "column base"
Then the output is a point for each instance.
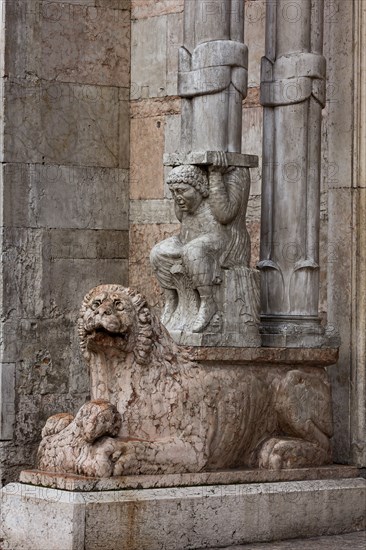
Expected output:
(297, 332)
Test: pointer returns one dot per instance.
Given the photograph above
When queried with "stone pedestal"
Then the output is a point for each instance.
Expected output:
(178, 511)
(178, 518)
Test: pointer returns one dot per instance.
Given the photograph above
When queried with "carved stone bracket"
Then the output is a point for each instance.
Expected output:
(206, 158)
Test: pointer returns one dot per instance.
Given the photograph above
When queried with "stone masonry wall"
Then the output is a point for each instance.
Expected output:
(64, 200)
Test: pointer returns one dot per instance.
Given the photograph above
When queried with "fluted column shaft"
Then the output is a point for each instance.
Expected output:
(293, 96)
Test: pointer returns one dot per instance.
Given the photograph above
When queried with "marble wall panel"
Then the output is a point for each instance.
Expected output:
(61, 123)
(74, 41)
(59, 196)
(142, 239)
(252, 143)
(174, 42)
(148, 57)
(254, 35)
(147, 149)
(339, 312)
(141, 9)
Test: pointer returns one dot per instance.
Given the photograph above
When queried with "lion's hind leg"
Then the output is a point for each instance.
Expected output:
(283, 453)
(303, 407)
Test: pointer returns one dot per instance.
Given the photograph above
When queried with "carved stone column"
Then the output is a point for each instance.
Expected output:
(213, 75)
(211, 293)
(293, 96)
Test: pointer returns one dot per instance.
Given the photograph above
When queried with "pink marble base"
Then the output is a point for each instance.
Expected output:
(70, 482)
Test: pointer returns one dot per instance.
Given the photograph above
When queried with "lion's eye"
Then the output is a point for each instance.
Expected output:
(95, 304)
(118, 305)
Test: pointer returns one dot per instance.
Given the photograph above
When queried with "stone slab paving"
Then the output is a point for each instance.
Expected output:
(351, 541)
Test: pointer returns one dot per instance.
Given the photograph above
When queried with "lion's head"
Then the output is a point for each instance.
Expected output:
(115, 318)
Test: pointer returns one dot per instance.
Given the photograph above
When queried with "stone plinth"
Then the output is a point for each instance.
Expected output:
(205, 158)
(317, 357)
(178, 518)
(83, 484)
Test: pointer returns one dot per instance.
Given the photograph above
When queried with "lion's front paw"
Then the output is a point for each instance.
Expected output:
(281, 453)
(268, 456)
(98, 459)
(127, 462)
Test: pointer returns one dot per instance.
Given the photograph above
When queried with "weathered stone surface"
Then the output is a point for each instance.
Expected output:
(352, 541)
(191, 517)
(7, 403)
(41, 277)
(21, 290)
(344, 172)
(174, 41)
(338, 120)
(253, 124)
(74, 197)
(266, 356)
(61, 123)
(147, 146)
(75, 28)
(89, 255)
(64, 208)
(211, 294)
(124, 130)
(152, 212)
(154, 107)
(142, 239)
(146, 9)
(69, 278)
(172, 133)
(114, 4)
(74, 483)
(254, 34)
(149, 57)
(252, 99)
(340, 309)
(212, 76)
(87, 244)
(254, 234)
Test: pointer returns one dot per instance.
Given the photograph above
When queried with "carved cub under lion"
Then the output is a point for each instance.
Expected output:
(181, 416)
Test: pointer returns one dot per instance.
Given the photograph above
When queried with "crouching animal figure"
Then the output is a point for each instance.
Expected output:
(83, 445)
(181, 416)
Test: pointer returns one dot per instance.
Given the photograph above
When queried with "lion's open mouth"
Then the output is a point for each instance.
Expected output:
(110, 332)
(102, 337)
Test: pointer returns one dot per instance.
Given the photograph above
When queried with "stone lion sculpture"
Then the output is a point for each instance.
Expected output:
(181, 416)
